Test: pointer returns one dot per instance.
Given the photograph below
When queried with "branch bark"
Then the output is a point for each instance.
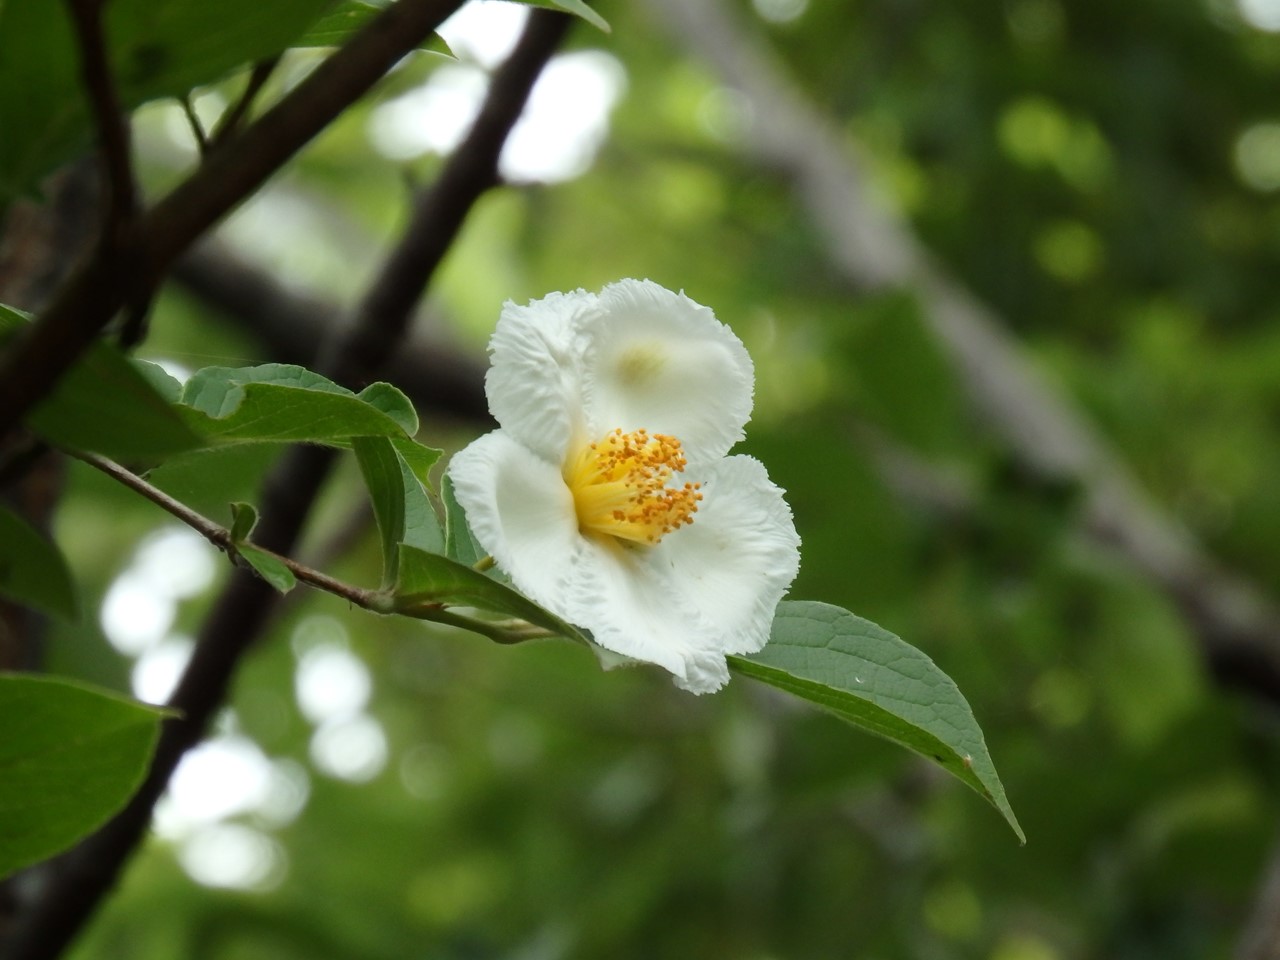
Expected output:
(81, 879)
(1237, 625)
(142, 253)
(291, 326)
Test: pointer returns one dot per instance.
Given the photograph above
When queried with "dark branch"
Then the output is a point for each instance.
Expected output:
(108, 117)
(82, 878)
(230, 121)
(193, 121)
(291, 326)
(30, 367)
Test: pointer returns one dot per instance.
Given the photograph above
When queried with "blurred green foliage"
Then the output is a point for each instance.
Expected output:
(1101, 174)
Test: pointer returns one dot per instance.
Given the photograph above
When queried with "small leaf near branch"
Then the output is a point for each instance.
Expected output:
(875, 680)
(268, 566)
(243, 519)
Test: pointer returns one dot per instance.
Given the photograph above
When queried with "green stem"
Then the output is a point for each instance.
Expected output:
(499, 631)
(221, 537)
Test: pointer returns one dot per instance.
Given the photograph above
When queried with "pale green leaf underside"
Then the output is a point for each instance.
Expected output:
(400, 504)
(285, 403)
(875, 680)
(337, 26)
(426, 579)
(459, 545)
(70, 757)
(577, 8)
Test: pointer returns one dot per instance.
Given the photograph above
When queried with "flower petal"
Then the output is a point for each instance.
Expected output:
(622, 594)
(659, 361)
(706, 590)
(522, 513)
(534, 384)
(733, 564)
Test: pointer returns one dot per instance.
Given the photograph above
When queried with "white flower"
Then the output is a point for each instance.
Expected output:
(607, 494)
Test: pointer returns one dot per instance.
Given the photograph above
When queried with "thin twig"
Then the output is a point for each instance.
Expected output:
(78, 881)
(193, 121)
(221, 538)
(229, 123)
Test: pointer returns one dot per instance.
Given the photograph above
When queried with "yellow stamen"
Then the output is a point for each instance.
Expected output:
(620, 487)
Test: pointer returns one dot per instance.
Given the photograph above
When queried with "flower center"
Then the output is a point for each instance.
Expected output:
(620, 487)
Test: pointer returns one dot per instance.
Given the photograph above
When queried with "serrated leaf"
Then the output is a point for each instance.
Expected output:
(244, 517)
(32, 570)
(278, 402)
(104, 404)
(427, 579)
(269, 567)
(336, 26)
(875, 680)
(70, 757)
(459, 544)
(158, 48)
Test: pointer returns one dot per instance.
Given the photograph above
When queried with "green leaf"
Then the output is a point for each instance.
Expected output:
(169, 387)
(158, 48)
(70, 757)
(105, 404)
(333, 29)
(419, 457)
(32, 570)
(244, 517)
(875, 680)
(269, 567)
(283, 402)
(391, 401)
(429, 579)
(400, 504)
(459, 544)
(576, 7)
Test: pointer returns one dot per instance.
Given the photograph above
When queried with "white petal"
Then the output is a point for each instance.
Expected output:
(659, 361)
(534, 384)
(522, 513)
(622, 594)
(732, 565)
(707, 590)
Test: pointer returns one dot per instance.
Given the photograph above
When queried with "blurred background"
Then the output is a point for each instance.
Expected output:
(1008, 271)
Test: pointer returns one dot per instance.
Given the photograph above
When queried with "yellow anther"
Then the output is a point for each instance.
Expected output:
(619, 486)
